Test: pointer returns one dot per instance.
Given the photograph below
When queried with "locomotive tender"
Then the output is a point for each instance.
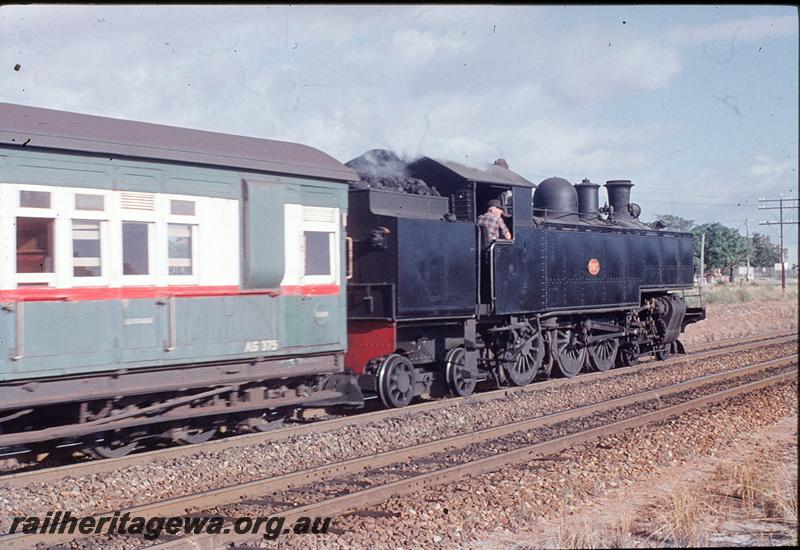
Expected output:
(163, 283)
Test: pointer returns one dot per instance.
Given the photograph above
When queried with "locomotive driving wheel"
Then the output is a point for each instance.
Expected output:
(603, 354)
(396, 379)
(523, 358)
(459, 379)
(570, 355)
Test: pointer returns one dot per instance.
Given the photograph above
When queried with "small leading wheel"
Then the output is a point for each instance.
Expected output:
(628, 355)
(396, 379)
(664, 353)
(602, 355)
(569, 354)
(460, 381)
(523, 361)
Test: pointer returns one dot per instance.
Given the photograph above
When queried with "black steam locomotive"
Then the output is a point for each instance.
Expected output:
(434, 303)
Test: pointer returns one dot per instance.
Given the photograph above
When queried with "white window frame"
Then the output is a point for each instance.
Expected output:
(139, 280)
(46, 213)
(331, 227)
(221, 236)
(101, 216)
(194, 223)
(103, 278)
(192, 278)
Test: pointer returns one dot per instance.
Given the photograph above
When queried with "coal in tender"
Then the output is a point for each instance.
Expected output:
(383, 169)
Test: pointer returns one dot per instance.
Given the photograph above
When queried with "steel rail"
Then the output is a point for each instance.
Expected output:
(376, 495)
(725, 342)
(234, 493)
(112, 464)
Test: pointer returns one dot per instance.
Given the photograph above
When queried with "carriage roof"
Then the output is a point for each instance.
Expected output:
(51, 129)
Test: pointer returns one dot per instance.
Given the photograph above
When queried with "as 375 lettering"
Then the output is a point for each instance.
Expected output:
(260, 345)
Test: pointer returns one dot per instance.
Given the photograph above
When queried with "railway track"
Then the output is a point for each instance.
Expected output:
(45, 475)
(337, 488)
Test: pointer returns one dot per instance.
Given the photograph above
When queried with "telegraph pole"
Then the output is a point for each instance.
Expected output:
(790, 204)
(702, 261)
(747, 232)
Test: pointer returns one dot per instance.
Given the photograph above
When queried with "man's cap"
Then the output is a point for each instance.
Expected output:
(498, 204)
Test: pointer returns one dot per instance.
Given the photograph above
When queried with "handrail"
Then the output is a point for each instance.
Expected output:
(349, 246)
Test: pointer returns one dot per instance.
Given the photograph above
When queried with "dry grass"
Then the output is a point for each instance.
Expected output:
(573, 534)
(735, 293)
(744, 485)
(773, 495)
(679, 518)
(780, 500)
(621, 532)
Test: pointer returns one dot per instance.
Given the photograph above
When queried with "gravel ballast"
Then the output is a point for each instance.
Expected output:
(160, 480)
(474, 511)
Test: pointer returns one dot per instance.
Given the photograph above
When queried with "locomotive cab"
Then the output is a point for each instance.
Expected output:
(470, 191)
(414, 295)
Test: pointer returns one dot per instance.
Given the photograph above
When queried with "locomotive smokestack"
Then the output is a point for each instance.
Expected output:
(619, 197)
(588, 199)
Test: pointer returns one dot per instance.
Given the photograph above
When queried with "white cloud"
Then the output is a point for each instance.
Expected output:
(764, 165)
(746, 30)
(596, 64)
(419, 47)
(468, 84)
(449, 17)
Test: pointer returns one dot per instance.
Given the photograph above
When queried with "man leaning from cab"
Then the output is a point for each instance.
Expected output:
(493, 222)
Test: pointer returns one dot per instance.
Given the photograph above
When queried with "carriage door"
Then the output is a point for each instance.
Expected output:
(312, 283)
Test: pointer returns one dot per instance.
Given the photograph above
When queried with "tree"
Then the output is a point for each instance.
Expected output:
(725, 247)
(765, 253)
(675, 223)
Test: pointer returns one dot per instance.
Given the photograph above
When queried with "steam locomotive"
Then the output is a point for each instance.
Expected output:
(431, 301)
(159, 283)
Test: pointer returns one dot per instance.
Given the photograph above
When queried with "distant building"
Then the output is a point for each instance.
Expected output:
(745, 271)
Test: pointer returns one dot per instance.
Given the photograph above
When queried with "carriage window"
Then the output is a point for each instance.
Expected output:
(180, 249)
(182, 208)
(34, 199)
(89, 202)
(35, 245)
(318, 252)
(86, 248)
(135, 258)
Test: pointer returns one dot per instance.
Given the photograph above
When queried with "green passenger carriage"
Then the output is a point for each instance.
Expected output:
(152, 276)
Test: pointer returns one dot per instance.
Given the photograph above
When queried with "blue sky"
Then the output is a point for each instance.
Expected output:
(698, 105)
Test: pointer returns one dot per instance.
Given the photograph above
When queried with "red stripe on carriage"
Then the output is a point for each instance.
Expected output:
(310, 290)
(47, 294)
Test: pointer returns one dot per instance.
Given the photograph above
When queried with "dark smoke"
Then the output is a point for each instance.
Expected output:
(382, 169)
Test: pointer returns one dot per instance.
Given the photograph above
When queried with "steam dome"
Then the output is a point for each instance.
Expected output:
(556, 200)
